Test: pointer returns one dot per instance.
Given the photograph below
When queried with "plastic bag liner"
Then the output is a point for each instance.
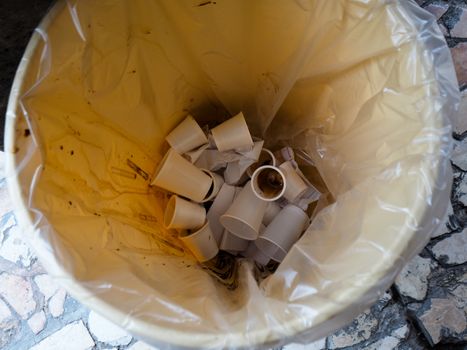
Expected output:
(366, 88)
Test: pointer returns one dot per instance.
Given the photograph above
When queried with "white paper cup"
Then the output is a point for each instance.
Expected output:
(187, 136)
(201, 243)
(178, 175)
(282, 232)
(272, 210)
(232, 134)
(295, 184)
(183, 214)
(233, 243)
(266, 157)
(217, 182)
(220, 205)
(244, 216)
(254, 253)
(268, 183)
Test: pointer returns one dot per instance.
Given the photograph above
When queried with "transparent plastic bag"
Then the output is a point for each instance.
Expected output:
(365, 88)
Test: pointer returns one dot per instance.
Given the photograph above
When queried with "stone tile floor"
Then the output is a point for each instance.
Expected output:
(426, 307)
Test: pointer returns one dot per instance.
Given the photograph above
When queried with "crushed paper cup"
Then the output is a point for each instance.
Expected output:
(217, 182)
(266, 157)
(235, 172)
(186, 136)
(244, 216)
(201, 243)
(272, 210)
(282, 232)
(295, 184)
(232, 243)
(269, 183)
(178, 175)
(232, 134)
(221, 203)
(194, 155)
(183, 214)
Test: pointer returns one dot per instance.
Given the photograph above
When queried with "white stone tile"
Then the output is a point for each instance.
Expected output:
(107, 332)
(73, 336)
(15, 249)
(18, 293)
(452, 250)
(37, 322)
(47, 285)
(56, 303)
(141, 346)
(5, 312)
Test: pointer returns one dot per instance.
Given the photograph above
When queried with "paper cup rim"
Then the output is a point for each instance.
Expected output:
(255, 174)
(270, 241)
(247, 225)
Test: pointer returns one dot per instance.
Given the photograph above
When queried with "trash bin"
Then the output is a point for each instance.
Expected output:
(365, 87)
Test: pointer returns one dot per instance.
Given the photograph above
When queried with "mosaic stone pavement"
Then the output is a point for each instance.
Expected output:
(426, 307)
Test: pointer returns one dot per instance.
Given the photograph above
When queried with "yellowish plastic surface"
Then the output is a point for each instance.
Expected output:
(366, 87)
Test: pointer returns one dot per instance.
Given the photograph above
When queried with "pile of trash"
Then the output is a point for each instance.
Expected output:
(229, 193)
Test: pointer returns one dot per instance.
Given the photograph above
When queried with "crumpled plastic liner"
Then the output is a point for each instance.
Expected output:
(365, 87)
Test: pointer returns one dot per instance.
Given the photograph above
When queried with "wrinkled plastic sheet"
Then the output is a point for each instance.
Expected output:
(365, 88)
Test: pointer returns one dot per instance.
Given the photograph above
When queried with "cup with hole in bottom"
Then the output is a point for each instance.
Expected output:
(232, 134)
(200, 242)
(283, 231)
(178, 175)
(183, 214)
(186, 136)
(244, 216)
(268, 183)
(295, 184)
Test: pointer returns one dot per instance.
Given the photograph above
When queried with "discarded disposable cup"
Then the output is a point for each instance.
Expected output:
(232, 134)
(268, 183)
(220, 205)
(295, 184)
(253, 252)
(233, 243)
(245, 214)
(266, 157)
(217, 182)
(178, 175)
(183, 214)
(201, 243)
(284, 230)
(187, 136)
(271, 211)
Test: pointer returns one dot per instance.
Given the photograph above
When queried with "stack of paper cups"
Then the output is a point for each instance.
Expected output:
(201, 243)
(182, 214)
(232, 134)
(282, 232)
(186, 136)
(268, 183)
(220, 205)
(244, 216)
(178, 175)
(232, 243)
(295, 184)
(217, 182)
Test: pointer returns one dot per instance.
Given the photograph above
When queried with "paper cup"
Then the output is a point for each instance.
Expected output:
(201, 243)
(182, 214)
(186, 136)
(217, 182)
(268, 183)
(232, 134)
(178, 175)
(233, 243)
(254, 253)
(266, 157)
(271, 212)
(220, 205)
(295, 184)
(244, 216)
(282, 232)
